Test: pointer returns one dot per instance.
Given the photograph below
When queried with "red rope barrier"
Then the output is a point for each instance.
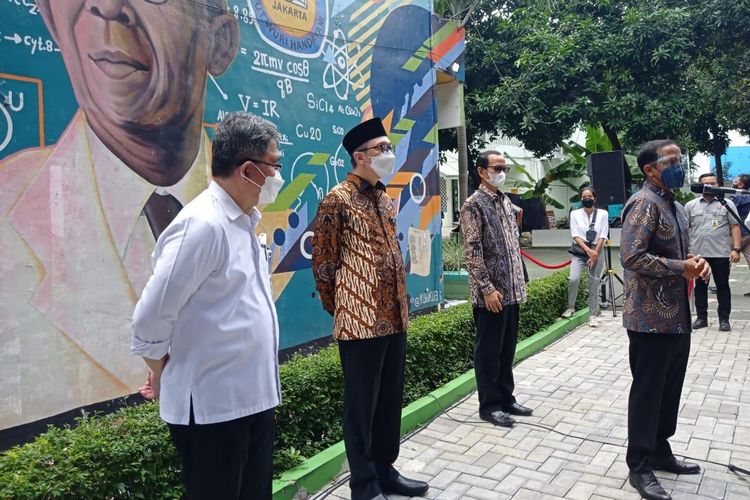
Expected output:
(542, 264)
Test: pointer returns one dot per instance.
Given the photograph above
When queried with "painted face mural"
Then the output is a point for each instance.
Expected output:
(106, 118)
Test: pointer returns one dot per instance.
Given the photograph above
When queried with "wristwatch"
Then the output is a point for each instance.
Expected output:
(736, 250)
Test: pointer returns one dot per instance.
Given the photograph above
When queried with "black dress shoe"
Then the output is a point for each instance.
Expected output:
(404, 486)
(676, 466)
(499, 418)
(724, 325)
(746, 294)
(648, 486)
(700, 323)
(516, 409)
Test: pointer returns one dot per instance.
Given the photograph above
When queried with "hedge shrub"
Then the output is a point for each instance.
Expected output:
(128, 454)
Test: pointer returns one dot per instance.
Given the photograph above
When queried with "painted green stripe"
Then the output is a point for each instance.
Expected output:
(318, 159)
(412, 64)
(404, 124)
(432, 135)
(396, 138)
(290, 193)
(444, 32)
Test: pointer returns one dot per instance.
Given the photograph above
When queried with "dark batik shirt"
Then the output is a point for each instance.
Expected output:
(493, 254)
(653, 249)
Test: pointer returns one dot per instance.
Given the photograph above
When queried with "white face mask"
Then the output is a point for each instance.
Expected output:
(497, 179)
(382, 164)
(268, 191)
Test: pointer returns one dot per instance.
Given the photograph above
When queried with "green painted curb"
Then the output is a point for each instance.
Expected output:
(320, 469)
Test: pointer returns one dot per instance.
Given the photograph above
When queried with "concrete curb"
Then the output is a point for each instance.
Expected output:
(317, 471)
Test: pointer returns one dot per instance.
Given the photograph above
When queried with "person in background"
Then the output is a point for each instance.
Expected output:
(206, 322)
(589, 228)
(742, 202)
(715, 235)
(656, 314)
(493, 259)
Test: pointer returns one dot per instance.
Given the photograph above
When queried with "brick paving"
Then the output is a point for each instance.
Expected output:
(580, 386)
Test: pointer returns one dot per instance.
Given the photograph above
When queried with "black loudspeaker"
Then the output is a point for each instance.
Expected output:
(607, 174)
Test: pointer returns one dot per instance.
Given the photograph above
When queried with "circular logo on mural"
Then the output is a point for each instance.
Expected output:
(295, 27)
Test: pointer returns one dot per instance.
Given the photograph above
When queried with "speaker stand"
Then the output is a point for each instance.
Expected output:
(610, 274)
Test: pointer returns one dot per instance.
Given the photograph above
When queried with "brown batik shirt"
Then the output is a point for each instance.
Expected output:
(491, 248)
(357, 262)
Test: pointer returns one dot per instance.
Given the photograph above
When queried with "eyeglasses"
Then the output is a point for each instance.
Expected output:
(157, 2)
(673, 160)
(498, 168)
(275, 166)
(386, 147)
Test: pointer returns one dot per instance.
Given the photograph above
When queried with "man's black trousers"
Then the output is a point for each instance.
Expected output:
(657, 362)
(720, 267)
(373, 397)
(227, 460)
(494, 349)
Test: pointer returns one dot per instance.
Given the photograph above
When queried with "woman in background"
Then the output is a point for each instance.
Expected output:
(589, 227)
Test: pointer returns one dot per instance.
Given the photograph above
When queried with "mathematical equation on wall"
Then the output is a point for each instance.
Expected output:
(309, 66)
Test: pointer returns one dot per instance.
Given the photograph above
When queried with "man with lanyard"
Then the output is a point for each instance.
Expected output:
(714, 234)
(359, 273)
(656, 314)
(493, 259)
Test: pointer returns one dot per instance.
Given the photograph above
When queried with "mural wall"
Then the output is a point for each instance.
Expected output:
(106, 103)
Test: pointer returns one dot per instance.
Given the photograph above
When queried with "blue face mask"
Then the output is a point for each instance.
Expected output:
(673, 177)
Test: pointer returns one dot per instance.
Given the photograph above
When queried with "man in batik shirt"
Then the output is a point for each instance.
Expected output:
(493, 259)
(656, 314)
(359, 272)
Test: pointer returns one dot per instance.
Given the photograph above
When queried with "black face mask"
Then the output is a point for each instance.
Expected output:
(588, 202)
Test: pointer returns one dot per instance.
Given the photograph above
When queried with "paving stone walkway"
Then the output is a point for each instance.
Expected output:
(580, 386)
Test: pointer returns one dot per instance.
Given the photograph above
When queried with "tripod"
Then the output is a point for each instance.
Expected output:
(610, 274)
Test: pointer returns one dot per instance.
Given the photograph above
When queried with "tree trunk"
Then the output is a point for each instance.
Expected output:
(612, 136)
(463, 166)
(719, 169)
(718, 150)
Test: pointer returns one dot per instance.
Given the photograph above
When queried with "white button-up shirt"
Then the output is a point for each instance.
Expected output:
(580, 222)
(209, 305)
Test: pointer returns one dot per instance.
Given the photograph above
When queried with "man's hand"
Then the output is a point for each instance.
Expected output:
(734, 257)
(696, 267)
(150, 390)
(494, 301)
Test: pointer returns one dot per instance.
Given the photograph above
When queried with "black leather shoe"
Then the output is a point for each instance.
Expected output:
(499, 418)
(700, 323)
(746, 294)
(648, 486)
(676, 466)
(404, 486)
(724, 325)
(516, 409)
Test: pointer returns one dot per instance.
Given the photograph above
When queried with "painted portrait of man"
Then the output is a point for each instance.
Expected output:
(78, 220)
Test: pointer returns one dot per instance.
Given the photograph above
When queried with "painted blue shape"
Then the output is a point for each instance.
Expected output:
(279, 237)
(293, 220)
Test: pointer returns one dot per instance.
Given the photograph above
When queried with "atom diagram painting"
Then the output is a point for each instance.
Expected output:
(339, 66)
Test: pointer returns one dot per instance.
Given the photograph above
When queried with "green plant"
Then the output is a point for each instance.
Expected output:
(453, 254)
(129, 454)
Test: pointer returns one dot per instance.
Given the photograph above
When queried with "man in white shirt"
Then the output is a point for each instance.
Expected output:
(206, 324)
